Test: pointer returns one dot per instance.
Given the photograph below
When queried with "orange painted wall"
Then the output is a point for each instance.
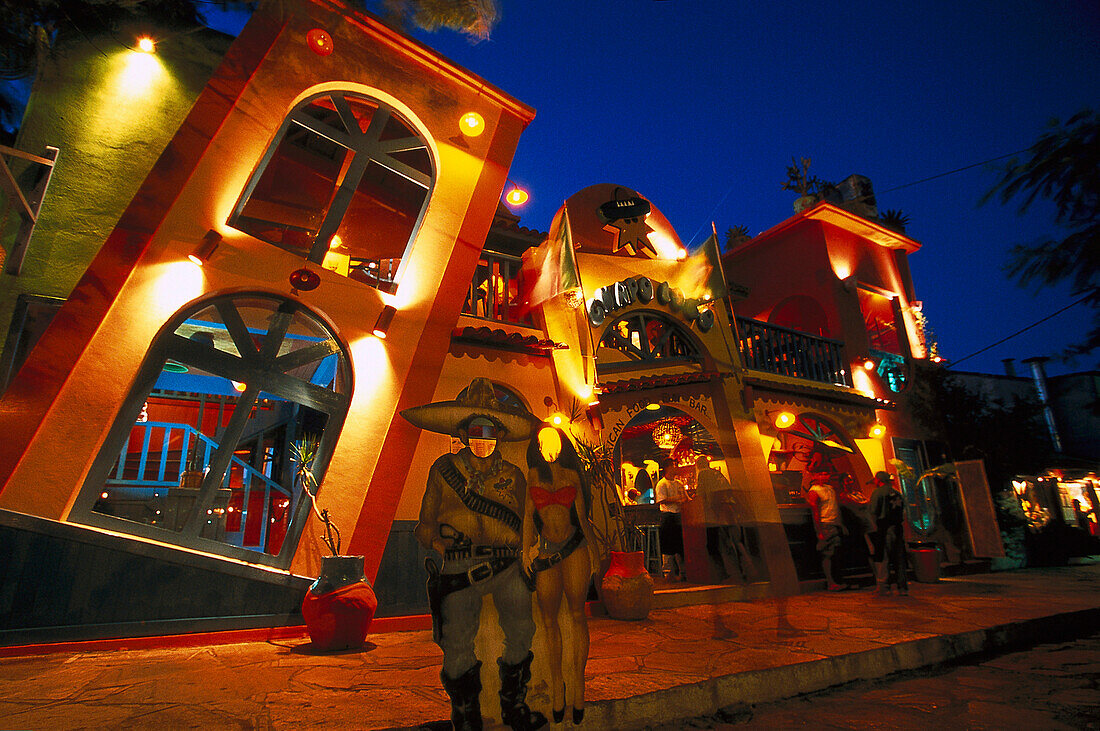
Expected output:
(68, 395)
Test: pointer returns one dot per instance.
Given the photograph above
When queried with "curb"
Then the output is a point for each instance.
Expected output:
(780, 683)
(776, 684)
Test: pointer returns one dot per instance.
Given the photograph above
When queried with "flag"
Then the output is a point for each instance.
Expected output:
(701, 276)
(549, 269)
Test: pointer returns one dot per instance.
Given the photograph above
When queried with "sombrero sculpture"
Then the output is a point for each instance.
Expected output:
(478, 400)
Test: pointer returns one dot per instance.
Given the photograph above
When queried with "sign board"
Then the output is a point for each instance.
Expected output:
(981, 521)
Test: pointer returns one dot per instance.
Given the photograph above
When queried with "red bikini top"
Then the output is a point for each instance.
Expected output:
(542, 497)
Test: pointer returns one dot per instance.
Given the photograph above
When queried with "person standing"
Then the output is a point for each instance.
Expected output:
(888, 510)
(671, 496)
(828, 524)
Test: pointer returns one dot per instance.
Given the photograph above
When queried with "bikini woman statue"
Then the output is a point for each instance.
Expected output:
(554, 534)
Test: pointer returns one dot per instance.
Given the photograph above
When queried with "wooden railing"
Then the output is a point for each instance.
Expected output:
(495, 293)
(786, 352)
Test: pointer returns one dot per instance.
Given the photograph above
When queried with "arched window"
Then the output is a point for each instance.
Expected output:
(645, 336)
(204, 451)
(345, 184)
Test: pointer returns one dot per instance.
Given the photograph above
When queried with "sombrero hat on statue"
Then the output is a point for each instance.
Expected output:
(478, 400)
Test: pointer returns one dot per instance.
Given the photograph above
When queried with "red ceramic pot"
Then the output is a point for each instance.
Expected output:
(340, 605)
(627, 588)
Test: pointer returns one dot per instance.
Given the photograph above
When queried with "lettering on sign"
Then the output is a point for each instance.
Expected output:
(616, 296)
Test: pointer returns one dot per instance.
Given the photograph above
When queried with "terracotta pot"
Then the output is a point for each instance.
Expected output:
(627, 588)
(340, 605)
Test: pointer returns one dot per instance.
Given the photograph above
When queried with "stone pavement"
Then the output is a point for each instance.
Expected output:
(1054, 687)
(681, 662)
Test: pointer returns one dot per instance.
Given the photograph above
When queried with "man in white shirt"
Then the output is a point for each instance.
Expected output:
(670, 496)
(827, 522)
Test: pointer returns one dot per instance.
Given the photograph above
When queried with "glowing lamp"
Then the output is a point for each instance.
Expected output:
(558, 419)
(653, 407)
(667, 435)
(319, 42)
(206, 248)
(784, 420)
(472, 124)
(517, 196)
(878, 431)
(335, 242)
(385, 317)
(868, 364)
(238, 386)
(145, 45)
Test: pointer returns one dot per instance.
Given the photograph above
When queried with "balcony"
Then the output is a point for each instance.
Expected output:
(495, 292)
(786, 352)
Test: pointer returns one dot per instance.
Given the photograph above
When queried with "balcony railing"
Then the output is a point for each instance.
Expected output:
(786, 352)
(495, 293)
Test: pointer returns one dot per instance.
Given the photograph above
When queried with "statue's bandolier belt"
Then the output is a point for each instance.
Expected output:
(496, 558)
(479, 503)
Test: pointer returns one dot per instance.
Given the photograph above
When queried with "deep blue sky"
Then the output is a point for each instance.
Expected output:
(700, 105)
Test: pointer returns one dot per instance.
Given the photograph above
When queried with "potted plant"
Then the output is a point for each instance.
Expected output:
(340, 604)
(625, 587)
(810, 188)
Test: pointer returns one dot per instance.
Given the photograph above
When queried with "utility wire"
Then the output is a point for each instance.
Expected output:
(1022, 330)
(952, 172)
(877, 192)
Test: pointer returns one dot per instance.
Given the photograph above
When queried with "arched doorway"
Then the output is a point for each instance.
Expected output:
(665, 442)
(811, 441)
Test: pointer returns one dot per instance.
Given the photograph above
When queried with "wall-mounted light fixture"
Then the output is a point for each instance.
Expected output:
(145, 44)
(385, 317)
(868, 363)
(516, 196)
(206, 249)
(472, 124)
(653, 406)
(877, 431)
(784, 420)
(319, 41)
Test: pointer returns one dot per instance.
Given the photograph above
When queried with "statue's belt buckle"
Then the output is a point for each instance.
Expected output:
(554, 558)
(480, 573)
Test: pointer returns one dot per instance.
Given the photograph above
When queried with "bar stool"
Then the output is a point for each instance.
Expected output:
(653, 563)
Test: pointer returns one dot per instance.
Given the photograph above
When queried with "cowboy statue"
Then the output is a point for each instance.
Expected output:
(470, 516)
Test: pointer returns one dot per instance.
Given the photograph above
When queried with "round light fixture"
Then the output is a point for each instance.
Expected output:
(319, 41)
(472, 124)
(516, 196)
(145, 44)
(667, 435)
(304, 279)
(877, 431)
(785, 419)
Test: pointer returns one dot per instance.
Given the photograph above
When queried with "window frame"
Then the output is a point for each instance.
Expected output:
(256, 372)
(365, 147)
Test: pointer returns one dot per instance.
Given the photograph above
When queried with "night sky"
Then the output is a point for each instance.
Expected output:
(700, 106)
